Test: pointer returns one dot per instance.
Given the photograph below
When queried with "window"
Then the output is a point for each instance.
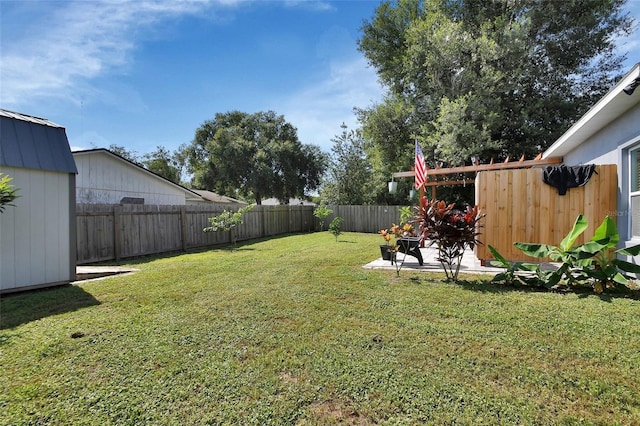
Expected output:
(634, 194)
(635, 170)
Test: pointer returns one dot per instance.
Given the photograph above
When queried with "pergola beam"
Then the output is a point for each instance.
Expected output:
(521, 164)
(449, 182)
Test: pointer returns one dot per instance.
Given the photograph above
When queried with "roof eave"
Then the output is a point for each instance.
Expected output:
(187, 191)
(601, 114)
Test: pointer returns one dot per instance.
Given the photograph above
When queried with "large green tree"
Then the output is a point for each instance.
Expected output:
(351, 180)
(255, 156)
(487, 78)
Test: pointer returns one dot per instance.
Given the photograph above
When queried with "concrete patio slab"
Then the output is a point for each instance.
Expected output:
(470, 264)
(89, 273)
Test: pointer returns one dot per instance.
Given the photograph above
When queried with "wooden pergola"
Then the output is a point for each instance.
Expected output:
(475, 168)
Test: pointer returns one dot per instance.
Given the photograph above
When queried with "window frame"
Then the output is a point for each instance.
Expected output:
(634, 187)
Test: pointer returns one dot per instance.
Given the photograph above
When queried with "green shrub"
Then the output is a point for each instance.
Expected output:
(450, 230)
(321, 212)
(227, 221)
(335, 227)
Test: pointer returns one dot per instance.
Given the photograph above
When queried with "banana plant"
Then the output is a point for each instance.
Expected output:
(607, 267)
(597, 261)
(516, 272)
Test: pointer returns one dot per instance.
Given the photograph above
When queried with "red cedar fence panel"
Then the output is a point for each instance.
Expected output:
(520, 207)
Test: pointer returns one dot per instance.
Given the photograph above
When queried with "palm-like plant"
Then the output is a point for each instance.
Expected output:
(7, 192)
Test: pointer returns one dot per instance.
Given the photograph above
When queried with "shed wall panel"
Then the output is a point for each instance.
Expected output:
(35, 233)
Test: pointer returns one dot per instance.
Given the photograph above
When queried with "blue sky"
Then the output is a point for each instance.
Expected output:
(145, 73)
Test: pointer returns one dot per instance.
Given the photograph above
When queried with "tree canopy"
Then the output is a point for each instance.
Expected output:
(254, 156)
(129, 154)
(486, 78)
(163, 163)
(350, 178)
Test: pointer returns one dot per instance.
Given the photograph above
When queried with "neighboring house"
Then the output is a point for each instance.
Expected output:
(609, 133)
(107, 178)
(292, 202)
(212, 197)
(37, 234)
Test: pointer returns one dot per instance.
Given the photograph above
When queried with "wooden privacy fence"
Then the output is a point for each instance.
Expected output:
(113, 232)
(367, 219)
(520, 207)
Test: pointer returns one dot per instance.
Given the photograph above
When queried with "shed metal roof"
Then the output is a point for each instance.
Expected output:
(34, 143)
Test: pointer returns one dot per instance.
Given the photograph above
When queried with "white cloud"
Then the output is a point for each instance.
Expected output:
(69, 49)
(90, 140)
(315, 5)
(320, 109)
(78, 41)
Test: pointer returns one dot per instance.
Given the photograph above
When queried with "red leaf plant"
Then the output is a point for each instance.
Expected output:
(451, 230)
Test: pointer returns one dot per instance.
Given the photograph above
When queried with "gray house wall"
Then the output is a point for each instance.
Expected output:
(611, 146)
(606, 146)
(106, 178)
(607, 134)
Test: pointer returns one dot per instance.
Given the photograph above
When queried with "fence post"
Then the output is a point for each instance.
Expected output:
(183, 227)
(117, 211)
(264, 222)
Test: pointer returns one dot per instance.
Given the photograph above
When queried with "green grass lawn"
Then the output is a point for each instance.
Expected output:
(292, 330)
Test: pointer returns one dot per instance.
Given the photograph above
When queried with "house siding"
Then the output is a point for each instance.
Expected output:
(103, 179)
(605, 146)
(611, 146)
(35, 244)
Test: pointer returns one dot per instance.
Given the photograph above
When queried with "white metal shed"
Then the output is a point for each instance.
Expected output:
(37, 234)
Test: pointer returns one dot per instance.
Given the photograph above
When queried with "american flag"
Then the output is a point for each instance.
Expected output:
(420, 168)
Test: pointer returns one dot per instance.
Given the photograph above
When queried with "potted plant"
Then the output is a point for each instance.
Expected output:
(387, 250)
(391, 237)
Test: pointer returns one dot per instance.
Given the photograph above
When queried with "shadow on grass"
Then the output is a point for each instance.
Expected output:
(24, 307)
(486, 286)
(245, 245)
